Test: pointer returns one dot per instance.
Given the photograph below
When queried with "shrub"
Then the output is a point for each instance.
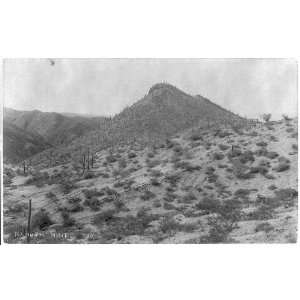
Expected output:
(222, 134)
(265, 226)
(218, 156)
(173, 178)
(152, 163)
(17, 208)
(156, 203)
(186, 166)
(242, 193)
(263, 212)
(156, 173)
(295, 147)
(286, 117)
(261, 144)
(67, 220)
(170, 226)
(223, 147)
(67, 186)
(286, 196)
(209, 205)
(93, 203)
(131, 155)
(271, 155)
(93, 193)
(266, 117)
(281, 167)
(241, 171)
(104, 217)
(218, 232)
(235, 152)
(155, 182)
(111, 159)
(41, 220)
(75, 207)
(168, 206)
(246, 156)
(89, 175)
(147, 195)
(51, 195)
(39, 179)
(272, 187)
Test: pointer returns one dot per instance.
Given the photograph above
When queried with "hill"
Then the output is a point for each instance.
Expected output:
(20, 144)
(53, 129)
(215, 184)
(160, 114)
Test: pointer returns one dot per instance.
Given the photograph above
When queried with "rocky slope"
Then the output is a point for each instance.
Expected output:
(206, 184)
(163, 112)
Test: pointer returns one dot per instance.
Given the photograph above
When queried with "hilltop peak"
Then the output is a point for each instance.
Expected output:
(162, 86)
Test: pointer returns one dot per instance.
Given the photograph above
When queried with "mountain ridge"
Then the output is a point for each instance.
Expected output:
(164, 111)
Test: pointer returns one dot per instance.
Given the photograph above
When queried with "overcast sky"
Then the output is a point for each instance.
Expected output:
(249, 87)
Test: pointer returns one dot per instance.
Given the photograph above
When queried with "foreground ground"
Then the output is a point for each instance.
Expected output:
(206, 185)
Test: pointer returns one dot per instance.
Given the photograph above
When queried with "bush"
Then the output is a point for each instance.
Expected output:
(168, 206)
(218, 232)
(38, 179)
(242, 193)
(281, 167)
(286, 196)
(147, 195)
(155, 182)
(189, 197)
(271, 155)
(89, 175)
(41, 220)
(218, 156)
(104, 217)
(173, 178)
(223, 147)
(111, 159)
(196, 136)
(93, 193)
(152, 163)
(265, 226)
(266, 117)
(131, 155)
(186, 166)
(93, 203)
(51, 195)
(286, 117)
(170, 226)
(246, 156)
(209, 205)
(156, 203)
(67, 220)
(263, 212)
(262, 144)
(67, 186)
(17, 208)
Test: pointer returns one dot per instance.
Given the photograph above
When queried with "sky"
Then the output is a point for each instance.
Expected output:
(249, 87)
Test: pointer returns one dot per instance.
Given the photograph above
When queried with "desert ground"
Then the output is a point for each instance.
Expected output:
(206, 184)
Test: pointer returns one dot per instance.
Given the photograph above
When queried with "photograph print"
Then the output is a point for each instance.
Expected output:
(150, 151)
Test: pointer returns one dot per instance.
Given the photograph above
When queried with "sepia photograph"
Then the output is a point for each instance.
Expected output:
(150, 151)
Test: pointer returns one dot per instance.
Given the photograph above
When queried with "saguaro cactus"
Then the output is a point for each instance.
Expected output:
(93, 160)
(88, 159)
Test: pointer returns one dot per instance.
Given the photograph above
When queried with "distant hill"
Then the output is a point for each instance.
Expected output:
(163, 112)
(52, 129)
(20, 144)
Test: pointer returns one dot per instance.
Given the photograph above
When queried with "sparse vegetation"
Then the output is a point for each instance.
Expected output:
(199, 175)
